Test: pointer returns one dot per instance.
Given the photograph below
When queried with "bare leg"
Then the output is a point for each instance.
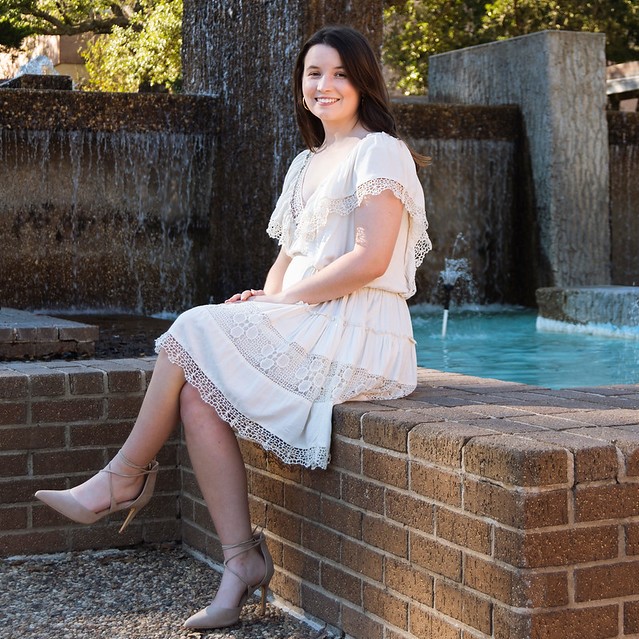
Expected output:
(158, 417)
(221, 475)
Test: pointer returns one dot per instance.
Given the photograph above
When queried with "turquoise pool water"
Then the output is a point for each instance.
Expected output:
(504, 344)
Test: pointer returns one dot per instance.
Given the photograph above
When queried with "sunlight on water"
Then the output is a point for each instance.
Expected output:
(503, 343)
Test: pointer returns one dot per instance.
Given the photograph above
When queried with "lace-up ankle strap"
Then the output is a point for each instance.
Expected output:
(130, 464)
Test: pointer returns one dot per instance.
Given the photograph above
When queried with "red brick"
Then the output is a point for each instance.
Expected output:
(321, 540)
(342, 517)
(386, 468)
(594, 460)
(87, 382)
(123, 407)
(522, 589)
(612, 501)
(304, 502)
(517, 461)
(341, 583)
(124, 381)
(284, 524)
(631, 617)
(100, 434)
(13, 490)
(29, 438)
(442, 444)
(70, 410)
(607, 582)
(556, 547)
(347, 456)
(317, 603)
(364, 494)
(517, 508)
(381, 534)
(14, 465)
(266, 487)
(593, 623)
(347, 418)
(359, 625)
(409, 580)
(13, 385)
(327, 481)
(436, 484)
(463, 605)
(389, 429)
(13, 518)
(47, 384)
(439, 558)
(13, 414)
(463, 530)
(425, 625)
(68, 461)
(30, 543)
(489, 578)
(386, 606)
(362, 558)
(632, 539)
(300, 563)
(409, 510)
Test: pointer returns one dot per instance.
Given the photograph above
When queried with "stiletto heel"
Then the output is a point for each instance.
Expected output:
(213, 617)
(66, 504)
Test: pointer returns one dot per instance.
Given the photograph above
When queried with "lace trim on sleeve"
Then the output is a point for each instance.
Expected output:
(313, 221)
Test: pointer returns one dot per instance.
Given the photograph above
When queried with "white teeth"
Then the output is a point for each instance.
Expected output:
(326, 100)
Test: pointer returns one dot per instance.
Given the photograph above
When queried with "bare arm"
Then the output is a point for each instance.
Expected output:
(275, 275)
(377, 223)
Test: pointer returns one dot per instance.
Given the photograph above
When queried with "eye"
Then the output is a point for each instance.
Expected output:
(340, 74)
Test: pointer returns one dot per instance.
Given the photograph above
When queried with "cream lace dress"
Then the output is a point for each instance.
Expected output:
(275, 371)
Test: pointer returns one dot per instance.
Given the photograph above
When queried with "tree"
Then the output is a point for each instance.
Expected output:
(22, 18)
(417, 29)
(146, 53)
(135, 43)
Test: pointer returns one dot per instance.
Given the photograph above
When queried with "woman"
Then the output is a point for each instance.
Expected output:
(330, 325)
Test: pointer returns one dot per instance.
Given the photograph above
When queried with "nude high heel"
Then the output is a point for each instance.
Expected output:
(65, 503)
(216, 617)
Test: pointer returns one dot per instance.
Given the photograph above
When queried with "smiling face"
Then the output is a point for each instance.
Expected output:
(327, 89)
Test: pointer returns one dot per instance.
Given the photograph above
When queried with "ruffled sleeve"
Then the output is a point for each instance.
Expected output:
(385, 163)
(281, 224)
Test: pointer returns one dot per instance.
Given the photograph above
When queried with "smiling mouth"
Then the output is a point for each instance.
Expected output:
(326, 100)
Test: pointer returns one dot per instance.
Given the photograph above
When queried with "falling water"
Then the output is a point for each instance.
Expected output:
(105, 219)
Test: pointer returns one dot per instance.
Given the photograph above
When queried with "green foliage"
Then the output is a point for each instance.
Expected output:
(417, 29)
(145, 53)
(136, 43)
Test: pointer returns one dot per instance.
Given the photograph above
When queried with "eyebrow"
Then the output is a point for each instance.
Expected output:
(314, 66)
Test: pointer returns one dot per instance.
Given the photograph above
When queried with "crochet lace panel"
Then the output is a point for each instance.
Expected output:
(313, 378)
(305, 222)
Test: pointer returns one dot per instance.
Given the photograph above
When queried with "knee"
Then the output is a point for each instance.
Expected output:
(191, 406)
(196, 415)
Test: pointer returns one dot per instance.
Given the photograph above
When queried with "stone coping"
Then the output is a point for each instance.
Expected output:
(487, 406)
(26, 335)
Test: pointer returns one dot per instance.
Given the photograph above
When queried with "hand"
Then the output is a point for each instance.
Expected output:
(244, 296)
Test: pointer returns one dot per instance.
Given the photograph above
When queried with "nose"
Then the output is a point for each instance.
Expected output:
(324, 83)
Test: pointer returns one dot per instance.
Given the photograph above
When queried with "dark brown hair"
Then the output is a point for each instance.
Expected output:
(365, 75)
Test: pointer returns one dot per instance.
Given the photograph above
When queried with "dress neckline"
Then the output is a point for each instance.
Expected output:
(299, 186)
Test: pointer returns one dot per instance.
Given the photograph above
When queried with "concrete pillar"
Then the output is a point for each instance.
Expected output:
(242, 52)
(558, 80)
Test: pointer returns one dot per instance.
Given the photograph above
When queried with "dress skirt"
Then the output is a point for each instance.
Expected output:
(275, 371)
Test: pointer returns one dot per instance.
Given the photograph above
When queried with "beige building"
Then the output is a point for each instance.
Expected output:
(63, 51)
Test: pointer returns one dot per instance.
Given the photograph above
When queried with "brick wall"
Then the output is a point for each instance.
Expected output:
(474, 509)
(59, 423)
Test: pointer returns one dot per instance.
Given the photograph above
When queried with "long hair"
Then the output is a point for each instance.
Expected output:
(365, 75)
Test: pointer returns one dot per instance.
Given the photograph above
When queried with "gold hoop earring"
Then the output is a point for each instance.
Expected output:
(304, 104)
